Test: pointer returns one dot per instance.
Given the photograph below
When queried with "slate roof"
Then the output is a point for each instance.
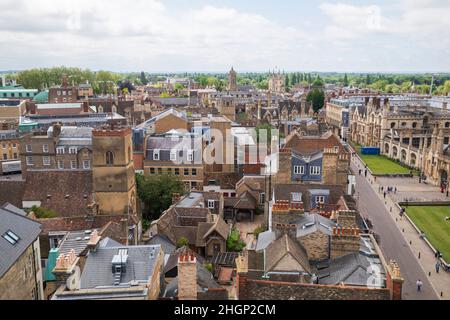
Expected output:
(246, 201)
(167, 246)
(284, 191)
(26, 229)
(140, 266)
(76, 240)
(309, 223)
(8, 206)
(265, 239)
(283, 246)
(355, 268)
(205, 281)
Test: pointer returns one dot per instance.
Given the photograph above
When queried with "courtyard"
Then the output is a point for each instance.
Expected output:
(381, 165)
(432, 221)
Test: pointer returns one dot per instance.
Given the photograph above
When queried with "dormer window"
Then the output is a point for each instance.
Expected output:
(173, 156)
(73, 150)
(315, 171)
(190, 155)
(211, 204)
(60, 150)
(320, 199)
(156, 155)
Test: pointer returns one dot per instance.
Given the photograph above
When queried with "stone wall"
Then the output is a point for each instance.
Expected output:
(19, 281)
(250, 289)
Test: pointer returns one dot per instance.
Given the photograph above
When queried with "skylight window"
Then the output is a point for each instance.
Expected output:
(11, 237)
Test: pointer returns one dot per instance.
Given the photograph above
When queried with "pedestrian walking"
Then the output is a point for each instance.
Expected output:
(395, 190)
(438, 265)
(365, 173)
(360, 171)
(385, 194)
(419, 285)
(382, 188)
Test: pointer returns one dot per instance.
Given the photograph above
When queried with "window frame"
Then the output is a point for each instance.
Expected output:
(48, 162)
(213, 202)
(299, 169)
(315, 170)
(156, 155)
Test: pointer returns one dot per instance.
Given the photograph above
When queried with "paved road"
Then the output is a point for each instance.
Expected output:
(392, 243)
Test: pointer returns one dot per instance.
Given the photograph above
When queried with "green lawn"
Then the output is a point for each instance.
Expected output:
(431, 220)
(383, 165)
(379, 164)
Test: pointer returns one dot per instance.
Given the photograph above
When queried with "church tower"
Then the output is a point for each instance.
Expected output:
(114, 182)
(232, 80)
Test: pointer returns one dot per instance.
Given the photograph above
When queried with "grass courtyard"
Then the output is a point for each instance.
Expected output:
(379, 164)
(431, 220)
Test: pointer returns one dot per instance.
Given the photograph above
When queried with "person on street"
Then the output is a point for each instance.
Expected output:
(385, 194)
(419, 285)
(365, 173)
(360, 171)
(438, 265)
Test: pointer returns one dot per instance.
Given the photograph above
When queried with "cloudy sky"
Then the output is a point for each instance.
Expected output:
(251, 35)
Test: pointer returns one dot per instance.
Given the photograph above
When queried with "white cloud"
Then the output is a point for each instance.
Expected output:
(148, 35)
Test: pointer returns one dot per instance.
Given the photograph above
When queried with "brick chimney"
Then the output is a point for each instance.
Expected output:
(242, 276)
(345, 241)
(187, 276)
(85, 107)
(346, 218)
(65, 266)
(289, 229)
(56, 130)
(94, 240)
(394, 280)
(124, 231)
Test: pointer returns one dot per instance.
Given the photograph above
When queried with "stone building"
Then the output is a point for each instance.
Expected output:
(276, 82)
(9, 152)
(232, 80)
(60, 148)
(313, 159)
(416, 134)
(20, 263)
(198, 219)
(114, 183)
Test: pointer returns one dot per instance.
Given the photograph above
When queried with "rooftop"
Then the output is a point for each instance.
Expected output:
(17, 233)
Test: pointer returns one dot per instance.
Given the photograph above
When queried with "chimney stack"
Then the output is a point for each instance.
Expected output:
(187, 276)
(94, 240)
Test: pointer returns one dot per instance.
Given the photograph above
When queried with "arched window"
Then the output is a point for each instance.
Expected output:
(447, 124)
(414, 125)
(392, 125)
(109, 158)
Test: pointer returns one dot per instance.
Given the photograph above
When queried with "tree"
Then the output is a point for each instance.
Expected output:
(368, 80)
(345, 80)
(447, 87)
(44, 213)
(156, 192)
(144, 80)
(234, 242)
(178, 87)
(318, 82)
(182, 242)
(317, 98)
